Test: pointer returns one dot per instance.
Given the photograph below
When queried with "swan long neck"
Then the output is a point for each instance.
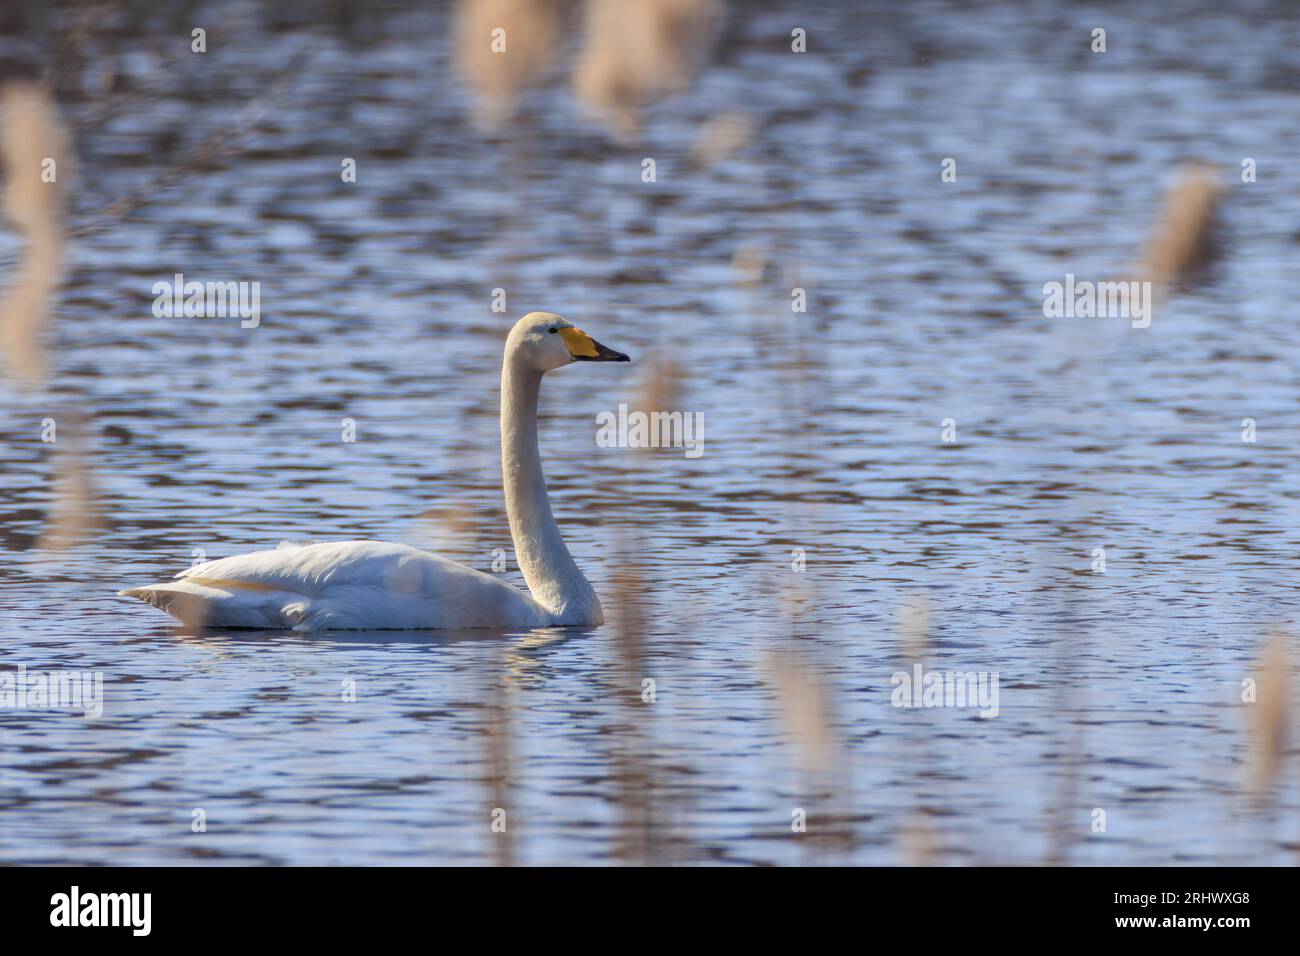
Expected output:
(553, 576)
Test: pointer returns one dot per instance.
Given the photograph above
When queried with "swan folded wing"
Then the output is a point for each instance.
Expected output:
(308, 568)
(355, 584)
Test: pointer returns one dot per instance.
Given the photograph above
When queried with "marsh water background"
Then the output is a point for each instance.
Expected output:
(1118, 691)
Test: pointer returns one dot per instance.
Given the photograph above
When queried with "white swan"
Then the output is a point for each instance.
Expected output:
(373, 585)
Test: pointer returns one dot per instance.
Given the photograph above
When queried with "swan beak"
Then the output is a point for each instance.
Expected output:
(584, 348)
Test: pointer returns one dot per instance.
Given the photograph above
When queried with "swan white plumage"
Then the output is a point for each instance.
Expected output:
(373, 585)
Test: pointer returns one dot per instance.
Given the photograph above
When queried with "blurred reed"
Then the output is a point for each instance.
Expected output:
(636, 54)
(452, 528)
(914, 615)
(750, 264)
(522, 54)
(804, 708)
(36, 153)
(31, 135)
(661, 387)
(1183, 241)
(798, 666)
(221, 145)
(720, 137)
(1270, 717)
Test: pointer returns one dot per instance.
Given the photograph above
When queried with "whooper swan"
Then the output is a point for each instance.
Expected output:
(371, 585)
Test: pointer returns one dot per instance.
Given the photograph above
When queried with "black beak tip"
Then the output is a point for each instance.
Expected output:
(603, 353)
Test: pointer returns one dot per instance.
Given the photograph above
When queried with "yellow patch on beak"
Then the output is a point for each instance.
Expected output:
(579, 343)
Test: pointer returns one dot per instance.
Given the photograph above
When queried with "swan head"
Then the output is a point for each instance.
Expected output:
(547, 341)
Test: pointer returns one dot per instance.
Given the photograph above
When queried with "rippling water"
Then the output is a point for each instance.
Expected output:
(1118, 691)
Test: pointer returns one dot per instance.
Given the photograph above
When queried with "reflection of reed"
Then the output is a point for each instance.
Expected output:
(634, 779)
(498, 757)
(1063, 810)
(646, 806)
(805, 706)
(797, 667)
(917, 841)
(74, 514)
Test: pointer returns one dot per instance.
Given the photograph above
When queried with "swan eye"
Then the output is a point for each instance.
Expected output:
(553, 329)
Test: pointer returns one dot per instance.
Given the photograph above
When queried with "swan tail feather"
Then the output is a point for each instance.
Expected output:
(198, 605)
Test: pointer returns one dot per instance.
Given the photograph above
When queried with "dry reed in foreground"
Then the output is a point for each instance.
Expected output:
(638, 53)
(37, 157)
(1270, 716)
(503, 47)
(37, 165)
(1182, 242)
